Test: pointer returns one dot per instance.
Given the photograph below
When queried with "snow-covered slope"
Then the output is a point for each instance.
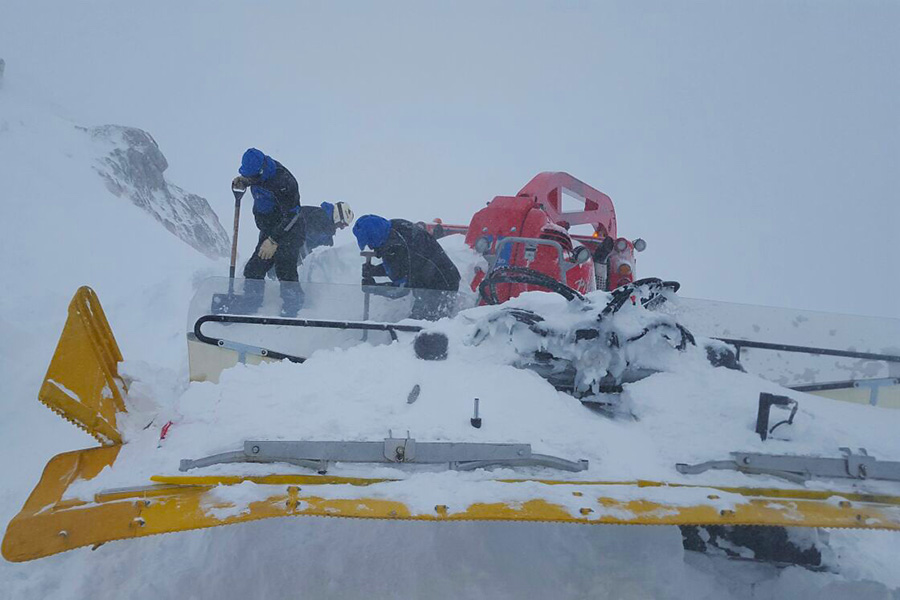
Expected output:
(62, 228)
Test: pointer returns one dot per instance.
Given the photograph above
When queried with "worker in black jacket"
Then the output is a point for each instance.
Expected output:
(410, 258)
(320, 223)
(276, 209)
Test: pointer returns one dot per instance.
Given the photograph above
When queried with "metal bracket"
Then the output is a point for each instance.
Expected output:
(802, 468)
(460, 456)
(530, 252)
(874, 385)
(242, 349)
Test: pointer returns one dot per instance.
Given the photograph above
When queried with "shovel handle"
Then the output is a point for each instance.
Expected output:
(238, 194)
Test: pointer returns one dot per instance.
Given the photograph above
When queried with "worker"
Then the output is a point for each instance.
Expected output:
(320, 223)
(276, 209)
(411, 258)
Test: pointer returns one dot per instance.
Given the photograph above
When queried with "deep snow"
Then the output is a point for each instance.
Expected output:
(70, 231)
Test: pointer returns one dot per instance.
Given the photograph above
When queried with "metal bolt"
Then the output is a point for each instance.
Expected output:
(586, 511)
(255, 449)
(63, 534)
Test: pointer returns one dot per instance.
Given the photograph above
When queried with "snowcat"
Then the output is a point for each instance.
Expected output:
(571, 406)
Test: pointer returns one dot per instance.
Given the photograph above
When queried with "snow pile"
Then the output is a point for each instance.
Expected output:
(361, 393)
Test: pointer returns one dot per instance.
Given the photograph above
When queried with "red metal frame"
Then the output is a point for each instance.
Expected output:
(536, 213)
(547, 189)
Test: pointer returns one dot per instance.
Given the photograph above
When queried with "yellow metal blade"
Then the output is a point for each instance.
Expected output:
(82, 383)
(48, 524)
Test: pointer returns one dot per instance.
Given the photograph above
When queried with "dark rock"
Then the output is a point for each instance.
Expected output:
(133, 168)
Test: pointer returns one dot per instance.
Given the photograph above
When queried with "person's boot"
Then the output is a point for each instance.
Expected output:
(292, 298)
(254, 292)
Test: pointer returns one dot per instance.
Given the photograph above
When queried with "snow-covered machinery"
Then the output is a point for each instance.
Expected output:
(464, 430)
(610, 401)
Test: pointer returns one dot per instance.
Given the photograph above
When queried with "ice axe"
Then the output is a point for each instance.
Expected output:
(222, 302)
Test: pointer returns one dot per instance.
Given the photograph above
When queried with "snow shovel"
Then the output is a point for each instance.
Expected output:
(224, 302)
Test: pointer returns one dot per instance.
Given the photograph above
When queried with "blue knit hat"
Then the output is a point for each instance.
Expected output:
(371, 231)
(252, 162)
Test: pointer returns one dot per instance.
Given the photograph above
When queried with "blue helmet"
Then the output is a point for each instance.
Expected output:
(371, 231)
(252, 163)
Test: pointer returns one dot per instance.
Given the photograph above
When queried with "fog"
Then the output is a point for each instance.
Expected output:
(755, 146)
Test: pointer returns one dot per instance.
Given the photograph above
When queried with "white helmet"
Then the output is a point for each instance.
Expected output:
(342, 214)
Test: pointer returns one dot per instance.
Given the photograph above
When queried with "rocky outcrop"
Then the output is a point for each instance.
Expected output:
(132, 165)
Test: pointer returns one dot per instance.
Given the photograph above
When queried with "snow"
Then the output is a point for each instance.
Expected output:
(325, 399)
(145, 278)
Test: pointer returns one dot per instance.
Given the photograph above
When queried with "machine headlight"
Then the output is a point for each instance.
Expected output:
(483, 244)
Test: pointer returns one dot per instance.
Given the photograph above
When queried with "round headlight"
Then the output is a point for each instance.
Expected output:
(483, 244)
(621, 244)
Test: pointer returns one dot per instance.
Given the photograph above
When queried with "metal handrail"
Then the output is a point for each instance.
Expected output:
(391, 328)
(738, 344)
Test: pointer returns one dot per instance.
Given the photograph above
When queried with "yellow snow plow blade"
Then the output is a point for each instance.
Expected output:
(49, 523)
(82, 384)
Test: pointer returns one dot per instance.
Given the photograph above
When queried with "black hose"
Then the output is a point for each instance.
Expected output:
(488, 288)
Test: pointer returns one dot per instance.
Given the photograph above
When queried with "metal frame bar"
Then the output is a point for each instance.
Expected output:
(563, 269)
(794, 468)
(872, 384)
(738, 344)
(459, 456)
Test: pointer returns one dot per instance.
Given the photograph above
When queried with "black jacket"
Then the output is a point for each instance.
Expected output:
(412, 257)
(276, 203)
(318, 225)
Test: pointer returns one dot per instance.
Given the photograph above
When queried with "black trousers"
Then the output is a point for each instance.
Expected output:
(285, 263)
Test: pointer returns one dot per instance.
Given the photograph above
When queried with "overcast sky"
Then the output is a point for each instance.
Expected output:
(754, 145)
